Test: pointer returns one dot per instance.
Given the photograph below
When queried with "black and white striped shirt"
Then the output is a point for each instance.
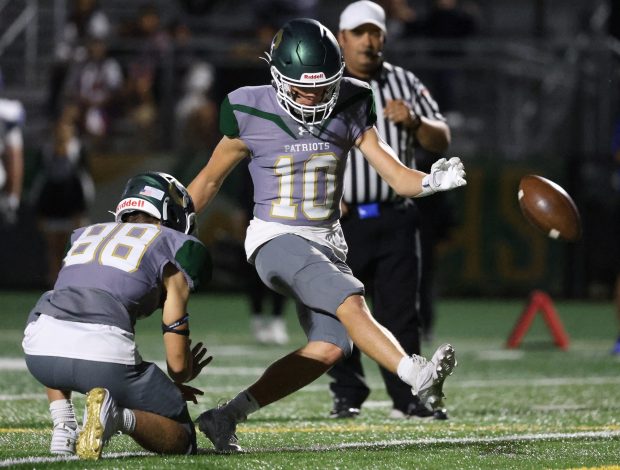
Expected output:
(362, 184)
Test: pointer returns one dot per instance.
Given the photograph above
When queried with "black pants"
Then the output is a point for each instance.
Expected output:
(384, 253)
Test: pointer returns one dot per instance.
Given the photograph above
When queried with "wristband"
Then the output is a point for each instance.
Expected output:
(427, 189)
(172, 327)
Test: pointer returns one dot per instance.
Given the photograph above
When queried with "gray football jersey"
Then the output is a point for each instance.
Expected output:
(112, 273)
(297, 170)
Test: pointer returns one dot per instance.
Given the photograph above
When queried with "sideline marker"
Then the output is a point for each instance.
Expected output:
(539, 301)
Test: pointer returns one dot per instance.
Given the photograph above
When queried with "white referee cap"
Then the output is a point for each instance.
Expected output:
(362, 12)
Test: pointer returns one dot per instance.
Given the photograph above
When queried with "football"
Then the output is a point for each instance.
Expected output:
(549, 208)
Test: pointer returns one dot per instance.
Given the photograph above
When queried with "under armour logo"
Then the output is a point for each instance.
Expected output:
(303, 130)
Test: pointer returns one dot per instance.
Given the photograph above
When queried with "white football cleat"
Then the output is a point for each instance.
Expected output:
(64, 439)
(279, 335)
(429, 382)
(220, 430)
(261, 329)
(101, 420)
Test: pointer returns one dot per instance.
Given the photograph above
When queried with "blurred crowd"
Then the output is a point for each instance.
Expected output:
(122, 74)
(143, 82)
(117, 90)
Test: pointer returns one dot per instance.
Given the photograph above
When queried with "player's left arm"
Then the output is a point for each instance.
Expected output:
(444, 175)
(183, 364)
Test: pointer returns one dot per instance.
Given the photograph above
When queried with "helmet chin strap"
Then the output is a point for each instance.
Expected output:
(164, 212)
(190, 224)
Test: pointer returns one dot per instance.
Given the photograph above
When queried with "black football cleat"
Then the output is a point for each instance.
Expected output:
(343, 408)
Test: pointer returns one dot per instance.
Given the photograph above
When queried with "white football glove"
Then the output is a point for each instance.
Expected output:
(444, 175)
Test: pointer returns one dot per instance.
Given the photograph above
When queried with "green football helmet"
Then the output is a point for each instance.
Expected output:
(159, 195)
(304, 53)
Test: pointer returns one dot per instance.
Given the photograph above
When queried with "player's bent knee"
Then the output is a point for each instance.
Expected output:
(352, 304)
(323, 351)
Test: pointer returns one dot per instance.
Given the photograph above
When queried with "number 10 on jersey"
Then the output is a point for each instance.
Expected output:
(318, 186)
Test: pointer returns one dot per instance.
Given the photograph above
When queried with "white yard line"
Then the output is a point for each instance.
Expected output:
(34, 460)
(18, 364)
(358, 445)
(455, 440)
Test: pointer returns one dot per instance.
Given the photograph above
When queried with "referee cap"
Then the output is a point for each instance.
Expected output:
(362, 12)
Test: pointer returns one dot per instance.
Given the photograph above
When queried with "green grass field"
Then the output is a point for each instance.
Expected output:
(534, 407)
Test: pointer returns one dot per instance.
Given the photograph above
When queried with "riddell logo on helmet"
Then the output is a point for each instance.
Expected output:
(313, 76)
(135, 203)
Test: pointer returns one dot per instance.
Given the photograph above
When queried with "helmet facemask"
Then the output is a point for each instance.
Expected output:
(307, 114)
(178, 208)
(306, 55)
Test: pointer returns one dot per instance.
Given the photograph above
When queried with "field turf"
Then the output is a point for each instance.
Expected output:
(533, 407)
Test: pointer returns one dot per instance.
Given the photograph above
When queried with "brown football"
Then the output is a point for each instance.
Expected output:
(549, 208)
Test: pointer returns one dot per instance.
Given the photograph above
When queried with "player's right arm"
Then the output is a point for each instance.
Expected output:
(227, 154)
(178, 354)
(183, 364)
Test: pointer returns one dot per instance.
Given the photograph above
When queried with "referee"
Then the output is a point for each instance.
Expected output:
(381, 229)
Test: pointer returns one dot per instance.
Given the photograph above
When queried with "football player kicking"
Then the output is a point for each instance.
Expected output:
(297, 134)
(80, 336)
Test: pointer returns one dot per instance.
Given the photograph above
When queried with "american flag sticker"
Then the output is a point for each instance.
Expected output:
(152, 192)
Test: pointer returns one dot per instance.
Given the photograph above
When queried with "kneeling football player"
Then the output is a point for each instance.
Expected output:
(80, 335)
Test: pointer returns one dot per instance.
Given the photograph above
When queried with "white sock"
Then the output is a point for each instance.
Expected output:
(241, 406)
(129, 421)
(62, 412)
(409, 367)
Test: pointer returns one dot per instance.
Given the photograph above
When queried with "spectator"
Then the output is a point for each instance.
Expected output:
(86, 20)
(12, 117)
(195, 117)
(447, 22)
(398, 14)
(142, 98)
(269, 16)
(63, 190)
(95, 85)
(183, 51)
